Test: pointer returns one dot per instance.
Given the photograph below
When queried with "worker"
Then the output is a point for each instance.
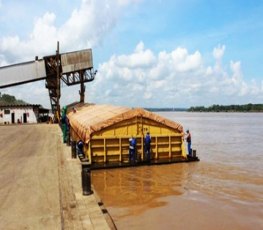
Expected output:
(80, 149)
(147, 147)
(64, 123)
(189, 142)
(68, 132)
(132, 149)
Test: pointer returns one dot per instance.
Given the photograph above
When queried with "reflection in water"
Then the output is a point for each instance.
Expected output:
(141, 186)
(222, 191)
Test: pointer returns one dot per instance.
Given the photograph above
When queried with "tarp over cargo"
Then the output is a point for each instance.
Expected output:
(90, 119)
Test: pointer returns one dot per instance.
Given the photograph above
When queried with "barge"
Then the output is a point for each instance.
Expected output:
(105, 131)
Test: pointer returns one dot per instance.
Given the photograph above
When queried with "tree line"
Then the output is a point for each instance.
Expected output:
(166, 109)
(7, 99)
(228, 108)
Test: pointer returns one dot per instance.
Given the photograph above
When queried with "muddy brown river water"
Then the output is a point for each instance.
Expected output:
(222, 191)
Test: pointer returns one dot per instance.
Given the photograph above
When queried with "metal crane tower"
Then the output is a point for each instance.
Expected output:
(72, 68)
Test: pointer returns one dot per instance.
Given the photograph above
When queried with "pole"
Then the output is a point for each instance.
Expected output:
(58, 80)
(86, 180)
(82, 88)
(73, 149)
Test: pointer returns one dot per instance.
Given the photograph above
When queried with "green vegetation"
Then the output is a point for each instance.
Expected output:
(166, 109)
(228, 108)
(7, 99)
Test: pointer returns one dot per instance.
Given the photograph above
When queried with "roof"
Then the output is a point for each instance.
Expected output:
(43, 110)
(93, 118)
(34, 106)
(18, 105)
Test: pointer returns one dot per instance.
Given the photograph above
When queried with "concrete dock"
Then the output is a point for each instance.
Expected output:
(41, 184)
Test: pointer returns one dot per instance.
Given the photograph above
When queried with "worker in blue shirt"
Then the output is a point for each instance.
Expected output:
(64, 124)
(80, 149)
(132, 149)
(147, 147)
(188, 139)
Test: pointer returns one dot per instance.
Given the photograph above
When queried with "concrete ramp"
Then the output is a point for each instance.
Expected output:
(22, 73)
(41, 184)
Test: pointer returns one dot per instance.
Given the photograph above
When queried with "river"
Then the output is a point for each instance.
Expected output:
(222, 191)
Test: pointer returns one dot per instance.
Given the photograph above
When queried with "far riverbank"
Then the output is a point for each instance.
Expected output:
(247, 108)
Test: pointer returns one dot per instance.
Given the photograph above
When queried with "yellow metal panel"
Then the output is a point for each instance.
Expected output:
(120, 152)
(89, 153)
(170, 149)
(156, 147)
(104, 148)
(183, 149)
(112, 143)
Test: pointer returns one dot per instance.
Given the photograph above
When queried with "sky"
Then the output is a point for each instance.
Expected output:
(148, 53)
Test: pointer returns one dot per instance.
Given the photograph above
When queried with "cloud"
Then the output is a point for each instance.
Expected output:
(166, 78)
(86, 27)
(175, 78)
(218, 52)
(139, 59)
(126, 2)
(143, 77)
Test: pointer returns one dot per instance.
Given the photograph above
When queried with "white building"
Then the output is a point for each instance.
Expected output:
(15, 114)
